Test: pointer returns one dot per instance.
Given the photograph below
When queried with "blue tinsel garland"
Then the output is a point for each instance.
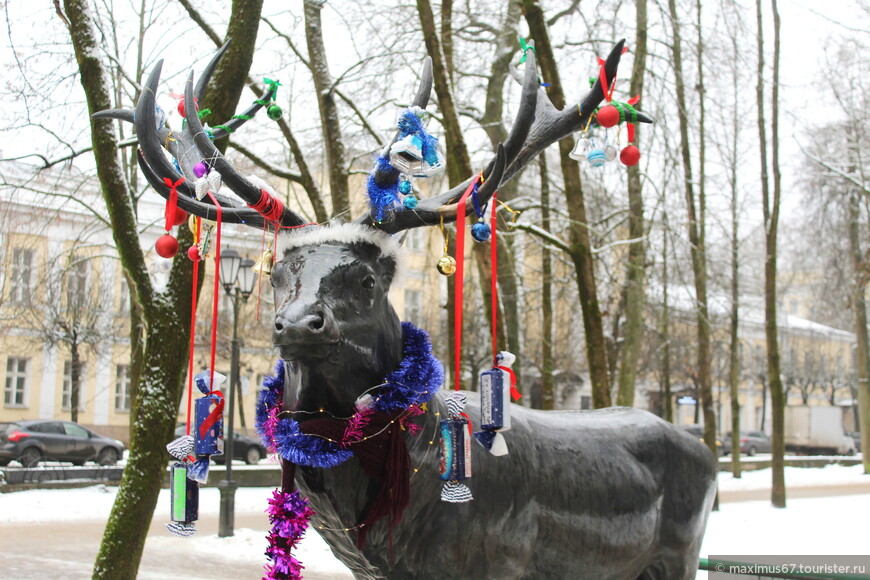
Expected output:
(417, 378)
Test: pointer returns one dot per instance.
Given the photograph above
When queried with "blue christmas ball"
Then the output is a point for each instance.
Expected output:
(596, 157)
(410, 202)
(480, 232)
(405, 187)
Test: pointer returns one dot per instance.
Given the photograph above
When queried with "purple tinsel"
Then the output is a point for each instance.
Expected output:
(289, 514)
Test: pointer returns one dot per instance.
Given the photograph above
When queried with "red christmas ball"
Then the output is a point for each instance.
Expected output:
(608, 116)
(181, 106)
(180, 217)
(193, 253)
(166, 246)
(630, 155)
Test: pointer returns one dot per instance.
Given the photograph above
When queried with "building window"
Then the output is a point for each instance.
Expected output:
(416, 239)
(124, 303)
(66, 392)
(122, 388)
(585, 402)
(16, 382)
(413, 305)
(21, 278)
(77, 285)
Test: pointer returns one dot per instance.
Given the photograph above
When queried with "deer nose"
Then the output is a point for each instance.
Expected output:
(312, 324)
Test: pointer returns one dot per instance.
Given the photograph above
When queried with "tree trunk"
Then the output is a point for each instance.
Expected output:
(696, 240)
(165, 315)
(771, 224)
(734, 358)
(667, 398)
(75, 381)
(548, 398)
(457, 158)
(581, 252)
(329, 119)
(862, 354)
(635, 297)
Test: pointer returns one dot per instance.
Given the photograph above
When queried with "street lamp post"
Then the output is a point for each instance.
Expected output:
(237, 278)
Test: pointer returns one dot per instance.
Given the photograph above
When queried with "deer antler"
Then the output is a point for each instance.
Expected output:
(153, 136)
(537, 125)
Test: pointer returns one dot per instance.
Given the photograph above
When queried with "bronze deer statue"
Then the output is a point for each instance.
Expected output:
(609, 494)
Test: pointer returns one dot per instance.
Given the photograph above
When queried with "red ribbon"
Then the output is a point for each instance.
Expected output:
(217, 287)
(172, 202)
(194, 284)
(215, 414)
(460, 272)
(515, 393)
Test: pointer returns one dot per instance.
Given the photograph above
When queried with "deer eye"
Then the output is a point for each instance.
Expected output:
(368, 282)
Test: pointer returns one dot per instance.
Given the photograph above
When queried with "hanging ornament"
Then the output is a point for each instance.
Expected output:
(608, 116)
(263, 265)
(596, 157)
(630, 155)
(497, 387)
(184, 492)
(609, 152)
(181, 108)
(184, 498)
(166, 246)
(416, 152)
(200, 169)
(455, 451)
(480, 231)
(447, 265)
(193, 253)
(580, 148)
(274, 112)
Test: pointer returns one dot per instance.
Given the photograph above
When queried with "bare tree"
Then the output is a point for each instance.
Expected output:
(696, 229)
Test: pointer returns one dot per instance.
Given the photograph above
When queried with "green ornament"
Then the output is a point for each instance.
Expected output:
(274, 112)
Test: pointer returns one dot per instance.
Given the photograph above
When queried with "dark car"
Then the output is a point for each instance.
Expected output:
(751, 442)
(245, 448)
(698, 431)
(29, 442)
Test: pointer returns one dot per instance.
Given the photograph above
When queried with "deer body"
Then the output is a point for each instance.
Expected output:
(608, 494)
(615, 493)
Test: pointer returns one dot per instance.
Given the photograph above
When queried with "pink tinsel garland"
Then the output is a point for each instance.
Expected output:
(289, 514)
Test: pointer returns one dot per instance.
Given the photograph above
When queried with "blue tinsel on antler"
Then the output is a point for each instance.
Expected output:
(383, 196)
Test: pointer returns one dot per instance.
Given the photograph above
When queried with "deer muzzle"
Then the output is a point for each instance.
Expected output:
(303, 331)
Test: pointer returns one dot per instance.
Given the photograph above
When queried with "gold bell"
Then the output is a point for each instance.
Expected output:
(263, 265)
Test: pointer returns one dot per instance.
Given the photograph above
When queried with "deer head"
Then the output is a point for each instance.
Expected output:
(333, 320)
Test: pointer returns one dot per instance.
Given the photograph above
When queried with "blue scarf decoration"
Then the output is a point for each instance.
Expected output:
(414, 382)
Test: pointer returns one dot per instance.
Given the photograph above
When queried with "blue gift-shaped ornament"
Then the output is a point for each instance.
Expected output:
(208, 415)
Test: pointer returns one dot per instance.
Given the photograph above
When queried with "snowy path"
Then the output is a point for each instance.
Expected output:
(56, 533)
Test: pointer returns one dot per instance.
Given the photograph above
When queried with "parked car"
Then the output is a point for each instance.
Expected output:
(698, 431)
(245, 448)
(751, 442)
(29, 442)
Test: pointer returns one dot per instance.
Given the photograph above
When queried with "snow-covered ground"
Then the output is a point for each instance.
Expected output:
(826, 525)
